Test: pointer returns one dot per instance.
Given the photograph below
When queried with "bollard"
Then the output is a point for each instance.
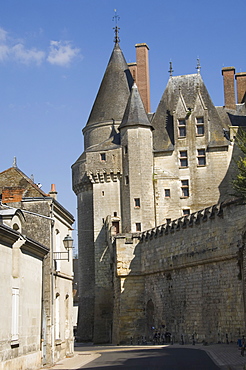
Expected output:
(193, 339)
(182, 339)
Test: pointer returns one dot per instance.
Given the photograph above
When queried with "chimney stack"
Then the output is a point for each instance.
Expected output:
(229, 87)
(241, 87)
(140, 73)
(53, 192)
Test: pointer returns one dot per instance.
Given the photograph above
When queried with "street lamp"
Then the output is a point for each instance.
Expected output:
(68, 244)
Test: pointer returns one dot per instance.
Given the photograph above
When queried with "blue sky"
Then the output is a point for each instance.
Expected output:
(53, 54)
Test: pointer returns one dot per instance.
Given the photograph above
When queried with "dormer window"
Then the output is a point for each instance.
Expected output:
(183, 158)
(185, 188)
(201, 157)
(181, 128)
(199, 126)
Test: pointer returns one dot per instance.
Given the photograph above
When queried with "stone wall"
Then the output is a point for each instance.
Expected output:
(193, 274)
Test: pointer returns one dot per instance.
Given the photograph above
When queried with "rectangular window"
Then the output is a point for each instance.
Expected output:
(126, 149)
(126, 180)
(167, 193)
(183, 159)
(201, 157)
(185, 188)
(15, 314)
(137, 202)
(181, 128)
(57, 316)
(138, 226)
(103, 157)
(186, 212)
(200, 126)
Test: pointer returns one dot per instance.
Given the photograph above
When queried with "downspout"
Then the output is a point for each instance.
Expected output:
(52, 283)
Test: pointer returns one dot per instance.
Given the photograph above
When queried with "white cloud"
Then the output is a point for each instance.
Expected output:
(3, 34)
(4, 52)
(62, 53)
(27, 56)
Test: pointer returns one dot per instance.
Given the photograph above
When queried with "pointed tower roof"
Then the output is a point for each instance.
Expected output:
(135, 114)
(114, 91)
(189, 87)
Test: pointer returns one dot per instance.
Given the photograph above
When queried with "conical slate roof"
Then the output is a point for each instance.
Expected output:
(135, 114)
(114, 91)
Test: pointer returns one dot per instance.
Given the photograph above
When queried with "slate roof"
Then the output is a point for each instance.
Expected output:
(233, 117)
(188, 86)
(135, 114)
(13, 176)
(114, 90)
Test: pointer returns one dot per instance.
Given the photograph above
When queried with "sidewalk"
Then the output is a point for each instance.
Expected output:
(226, 356)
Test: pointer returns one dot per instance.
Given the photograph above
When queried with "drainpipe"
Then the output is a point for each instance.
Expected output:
(52, 283)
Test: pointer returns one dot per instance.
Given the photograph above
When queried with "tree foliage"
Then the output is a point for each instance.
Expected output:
(239, 183)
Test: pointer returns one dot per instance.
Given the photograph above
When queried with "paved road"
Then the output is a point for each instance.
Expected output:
(149, 359)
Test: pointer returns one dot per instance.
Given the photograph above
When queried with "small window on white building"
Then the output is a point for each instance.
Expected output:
(103, 157)
(138, 226)
(186, 212)
(126, 180)
(15, 314)
(167, 193)
(185, 188)
(201, 157)
(181, 128)
(57, 316)
(137, 202)
(58, 251)
(199, 126)
(183, 158)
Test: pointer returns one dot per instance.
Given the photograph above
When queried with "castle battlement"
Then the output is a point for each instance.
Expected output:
(186, 221)
(100, 176)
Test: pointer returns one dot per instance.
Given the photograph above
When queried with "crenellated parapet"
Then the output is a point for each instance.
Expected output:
(101, 176)
(184, 222)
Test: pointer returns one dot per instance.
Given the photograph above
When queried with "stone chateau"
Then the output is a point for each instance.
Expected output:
(161, 239)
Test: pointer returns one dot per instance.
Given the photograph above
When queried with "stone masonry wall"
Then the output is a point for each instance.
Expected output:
(193, 273)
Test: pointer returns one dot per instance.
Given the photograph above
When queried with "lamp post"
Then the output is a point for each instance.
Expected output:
(68, 244)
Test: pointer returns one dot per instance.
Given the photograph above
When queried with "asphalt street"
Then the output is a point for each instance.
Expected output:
(165, 358)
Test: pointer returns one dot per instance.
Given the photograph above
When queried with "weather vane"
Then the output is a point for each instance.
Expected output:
(198, 66)
(171, 69)
(116, 18)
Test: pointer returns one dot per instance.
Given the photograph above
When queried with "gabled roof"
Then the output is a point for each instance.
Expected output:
(189, 86)
(14, 177)
(135, 114)
(114, 91)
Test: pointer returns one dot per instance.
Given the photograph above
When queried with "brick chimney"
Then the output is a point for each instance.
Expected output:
(229, 87)
(241, 87)
(12, 194)
(140, 73)
(53, 192)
